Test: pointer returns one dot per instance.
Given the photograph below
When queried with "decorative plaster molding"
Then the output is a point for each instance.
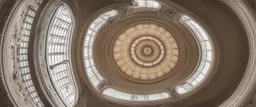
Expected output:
(6, 98)
(247, 85)
(16, 75)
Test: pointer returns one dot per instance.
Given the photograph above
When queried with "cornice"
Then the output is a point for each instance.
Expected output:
(247, 85)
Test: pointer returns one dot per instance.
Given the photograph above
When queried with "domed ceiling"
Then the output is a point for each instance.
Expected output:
(158, 52)
(129, 53)
(146, 45)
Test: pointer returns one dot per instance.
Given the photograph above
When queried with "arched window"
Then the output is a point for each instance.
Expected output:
(126, 96)
(148, 3)
(22, 56)
(92, 73)
(58, 58)
(202, 71)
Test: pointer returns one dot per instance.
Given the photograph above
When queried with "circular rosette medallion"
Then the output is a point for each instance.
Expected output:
(146, 52)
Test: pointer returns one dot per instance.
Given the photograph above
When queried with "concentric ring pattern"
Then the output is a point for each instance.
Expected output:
(146, 52)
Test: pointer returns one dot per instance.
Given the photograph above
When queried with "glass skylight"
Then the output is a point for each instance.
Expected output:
(206, 56)
(117, 94)
(57, 55)
(22, 56)
(93, 74)
(148, 3)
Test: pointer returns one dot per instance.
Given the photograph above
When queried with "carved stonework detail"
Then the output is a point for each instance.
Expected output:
(8, 7)
(16, 74)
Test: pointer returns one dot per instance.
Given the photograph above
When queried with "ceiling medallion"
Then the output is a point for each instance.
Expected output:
(146, 52)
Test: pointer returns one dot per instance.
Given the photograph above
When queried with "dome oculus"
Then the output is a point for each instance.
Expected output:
(146, 52)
